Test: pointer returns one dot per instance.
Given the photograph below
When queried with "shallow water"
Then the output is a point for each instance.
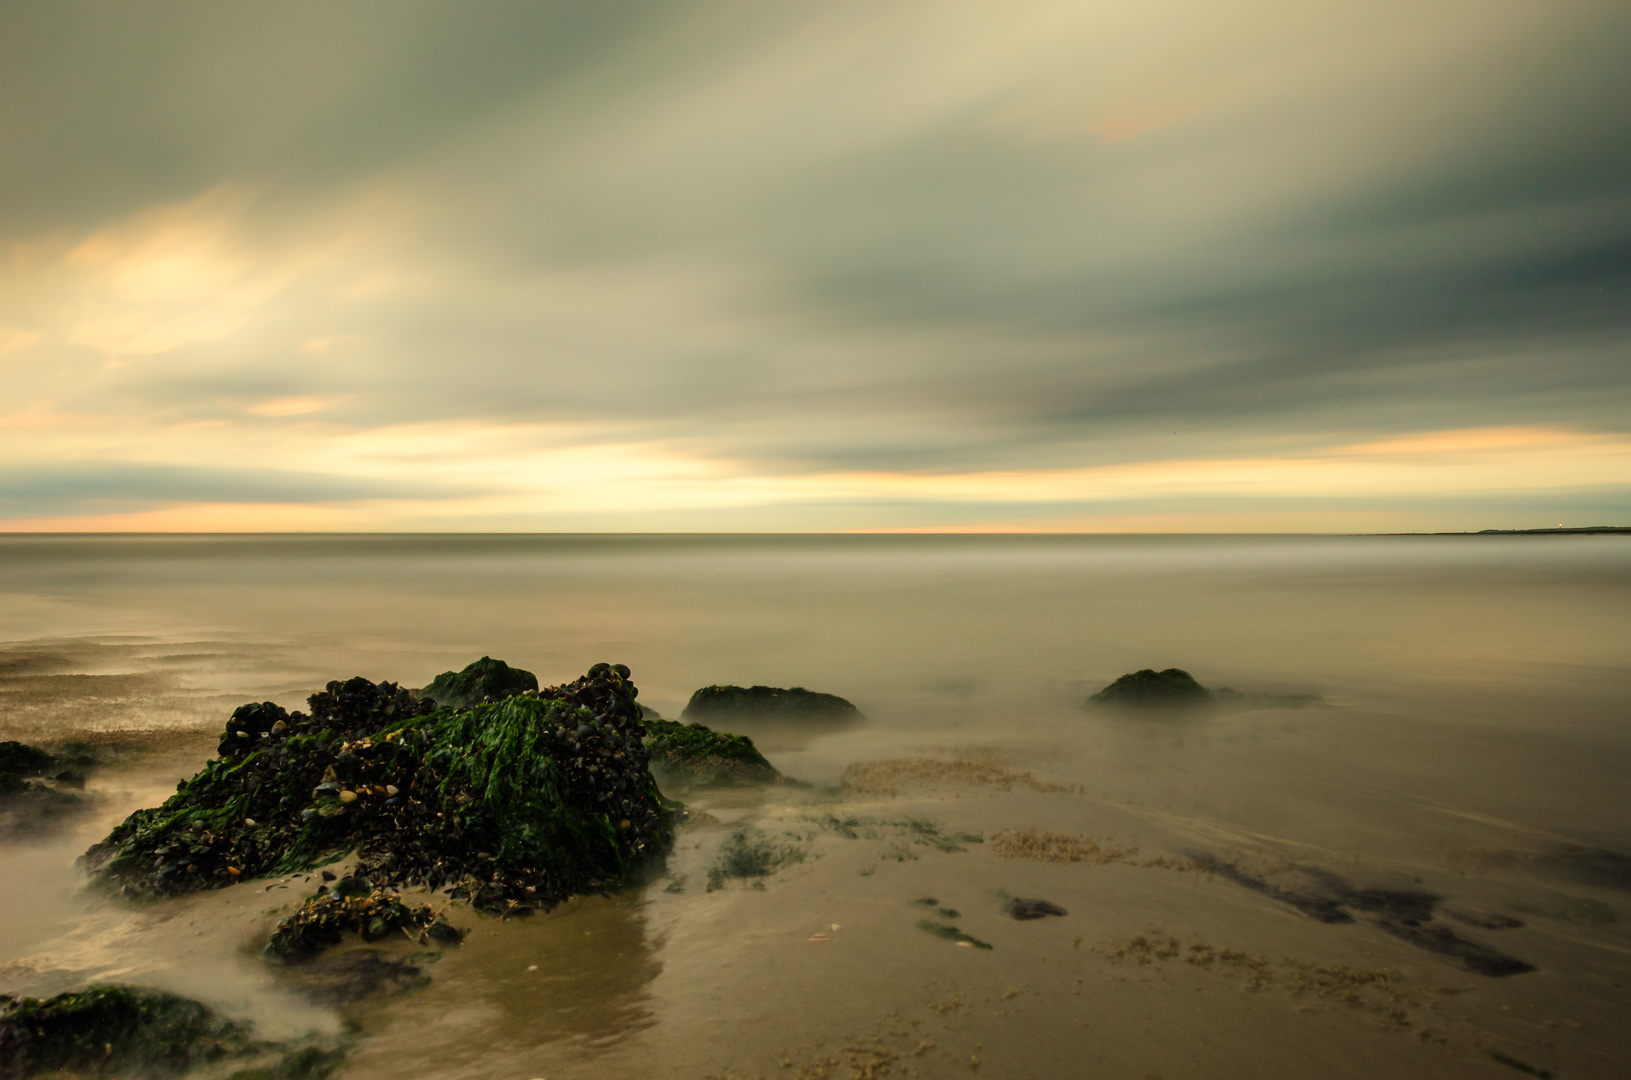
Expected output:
(1449, 715)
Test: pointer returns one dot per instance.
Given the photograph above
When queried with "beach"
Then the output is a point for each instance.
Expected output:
(1442, 722)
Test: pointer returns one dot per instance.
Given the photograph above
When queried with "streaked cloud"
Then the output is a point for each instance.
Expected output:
(892, 265)
(296, 405)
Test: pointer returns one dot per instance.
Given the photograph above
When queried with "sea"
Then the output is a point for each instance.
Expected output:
(1398, 842)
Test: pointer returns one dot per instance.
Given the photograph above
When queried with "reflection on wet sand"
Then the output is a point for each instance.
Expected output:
(519, 994)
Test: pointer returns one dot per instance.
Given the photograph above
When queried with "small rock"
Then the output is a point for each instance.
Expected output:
(1024, 910)
(348, 796)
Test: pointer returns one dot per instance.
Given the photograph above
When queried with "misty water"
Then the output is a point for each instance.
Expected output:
(1409, 715)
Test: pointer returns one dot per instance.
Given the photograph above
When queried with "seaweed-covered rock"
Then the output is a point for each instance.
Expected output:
(113, 1031)
(690, 755)
(1173, 686)
(485, 680)
(716, 704)
(371, 914)
(518, 803)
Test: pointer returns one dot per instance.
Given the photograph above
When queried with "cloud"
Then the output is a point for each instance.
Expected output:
(730, 259)
(298, 405)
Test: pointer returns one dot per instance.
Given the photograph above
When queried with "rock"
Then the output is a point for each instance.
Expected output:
(485, 680)
(35, 794)
(114, 1030)
(1172, 687)
(543, 781)
(691, 755)
(722, 704)
(18, 763)
(1025, 910)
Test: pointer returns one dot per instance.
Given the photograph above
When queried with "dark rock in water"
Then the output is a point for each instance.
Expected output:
(115, 1031)
(512, 804)
(690, 755)
(716, 704)
(325, 920)
(34, 794)
(1025, 910)
(485, 680)
(20, 759)
(1173, 686)
(353, 975)
(1402, 913)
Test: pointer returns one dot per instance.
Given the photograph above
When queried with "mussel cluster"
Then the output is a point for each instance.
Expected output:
(354, 906)
(353, 707)
(518, 803)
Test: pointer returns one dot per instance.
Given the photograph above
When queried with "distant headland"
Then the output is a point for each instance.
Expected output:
(1559, 531)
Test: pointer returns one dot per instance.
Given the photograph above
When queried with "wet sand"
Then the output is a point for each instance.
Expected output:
(1203, 860)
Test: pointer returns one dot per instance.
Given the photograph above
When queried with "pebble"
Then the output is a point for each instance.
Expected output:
(390, 789)
(348, 796)
(251, 822)
(819, 937)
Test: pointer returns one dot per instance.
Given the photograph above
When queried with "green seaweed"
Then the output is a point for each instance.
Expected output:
(747, 853)
(943, 912)
(950, 933)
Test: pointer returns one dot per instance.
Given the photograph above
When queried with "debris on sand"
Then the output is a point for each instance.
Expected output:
(485, 680)
(716, 704)
(511, 804)
(354, 907)
(889, 776)
(108, 1030)
(1025, 910)
(1045, 846)
(1149, 688)
(693, 756)
(947, 932)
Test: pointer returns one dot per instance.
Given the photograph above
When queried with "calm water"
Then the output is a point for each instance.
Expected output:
(1452, 713)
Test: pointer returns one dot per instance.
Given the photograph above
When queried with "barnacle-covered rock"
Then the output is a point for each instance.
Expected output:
(516, 803)
(370, 913)
(691, 755)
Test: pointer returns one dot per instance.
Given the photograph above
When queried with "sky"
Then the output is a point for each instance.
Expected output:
(1070, 266)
